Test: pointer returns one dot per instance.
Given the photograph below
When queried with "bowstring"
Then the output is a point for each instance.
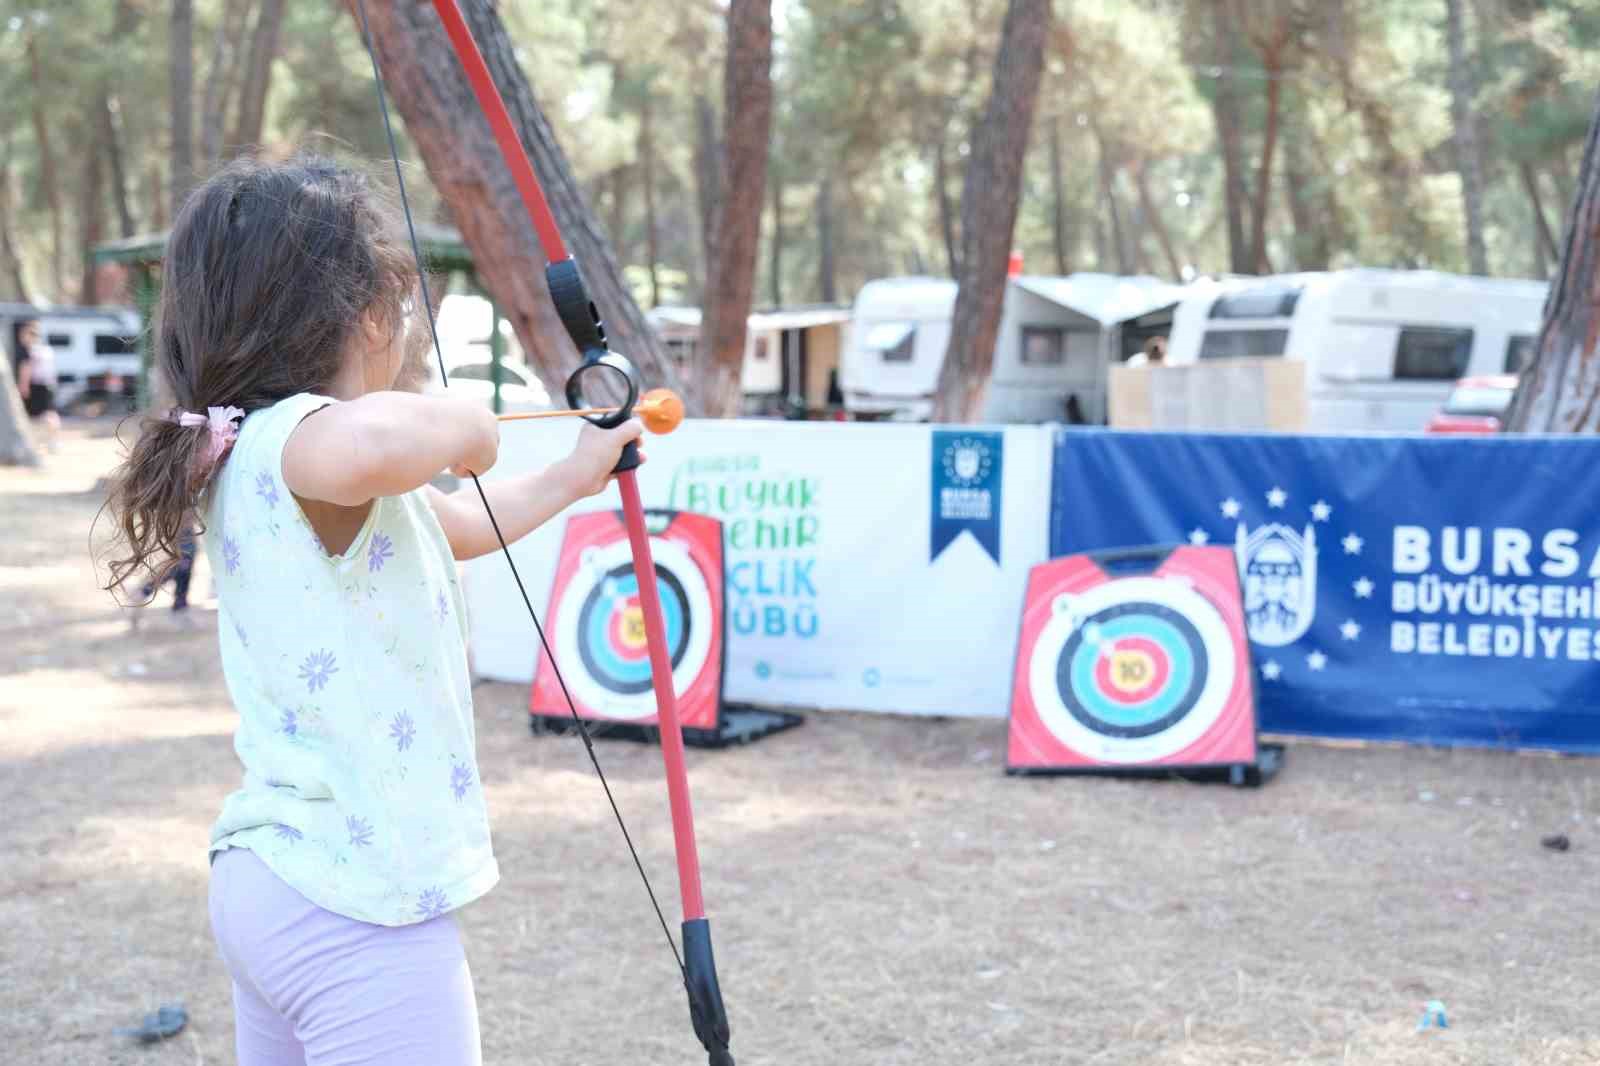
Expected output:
(505, 550)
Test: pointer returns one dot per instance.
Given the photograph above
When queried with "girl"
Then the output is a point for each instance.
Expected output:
(360, 824)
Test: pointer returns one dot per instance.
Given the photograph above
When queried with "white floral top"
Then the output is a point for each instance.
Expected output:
(355, 706)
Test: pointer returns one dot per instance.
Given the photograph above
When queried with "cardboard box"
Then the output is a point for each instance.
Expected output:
(1226, 394)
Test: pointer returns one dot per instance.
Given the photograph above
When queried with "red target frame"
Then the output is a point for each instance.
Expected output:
(1136, 662)
(687, 550)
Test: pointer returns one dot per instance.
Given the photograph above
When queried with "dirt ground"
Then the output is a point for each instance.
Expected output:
(881, 892)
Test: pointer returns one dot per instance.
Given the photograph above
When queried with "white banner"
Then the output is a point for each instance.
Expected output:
(832, 600)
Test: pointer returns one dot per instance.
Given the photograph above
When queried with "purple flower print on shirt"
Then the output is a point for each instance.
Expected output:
(444, 607)
(289, 833)
(244, 641)
(267, 488)
(432, 904)
(230, 554)
(291, 724)
(318, 667)
(380, 551)
(460, 780)
(403, 731)
(360, 831)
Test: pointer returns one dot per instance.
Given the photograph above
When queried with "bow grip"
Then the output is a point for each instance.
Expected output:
(597, 361)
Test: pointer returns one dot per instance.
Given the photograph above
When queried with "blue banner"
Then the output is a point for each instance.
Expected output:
(965, 497)
(1437, 590)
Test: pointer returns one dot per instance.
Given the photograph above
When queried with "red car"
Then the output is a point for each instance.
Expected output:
(1475, 406)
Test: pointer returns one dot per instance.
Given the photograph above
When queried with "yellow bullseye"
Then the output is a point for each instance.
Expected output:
(1131, 670)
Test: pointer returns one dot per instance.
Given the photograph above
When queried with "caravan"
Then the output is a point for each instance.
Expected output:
(1058, 337)
(96, 348)
(791, 355)
(1382, 348)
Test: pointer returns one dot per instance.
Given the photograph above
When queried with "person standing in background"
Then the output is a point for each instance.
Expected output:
(36, 379)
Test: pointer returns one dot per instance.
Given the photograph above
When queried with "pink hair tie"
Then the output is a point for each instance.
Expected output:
(220, 428)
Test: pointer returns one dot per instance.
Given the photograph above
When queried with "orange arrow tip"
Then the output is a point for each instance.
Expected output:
(661, 410)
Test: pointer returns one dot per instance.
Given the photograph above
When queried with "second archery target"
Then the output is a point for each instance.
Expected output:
(1149, 670)
(597, 622)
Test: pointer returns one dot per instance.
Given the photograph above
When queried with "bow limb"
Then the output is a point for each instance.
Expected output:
(567, 290)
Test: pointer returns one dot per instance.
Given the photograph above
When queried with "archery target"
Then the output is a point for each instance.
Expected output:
(1148, 669)
(596, 621)
(600, 624)
(1133, 670)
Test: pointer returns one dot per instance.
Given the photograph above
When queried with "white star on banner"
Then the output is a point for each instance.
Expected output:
(1277, 497)
(1199, 536)
(1363, 589)
(1351, 629)
(1316, 660)
(1271, 670)
(1320, 511)
(1352, 544)
(1230, 508)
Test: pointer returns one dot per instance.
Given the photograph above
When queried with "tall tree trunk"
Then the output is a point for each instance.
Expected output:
(180, 45)
(258, 75)
(989, 196)
(747, 118)
(1468, 162)
(157, 198)
(112, 138)
(1544, 240)
(1108, 193)
(91, 219)
(222, 78)
(708, 179)
(1560, 390)
(1152, 211)
(827, 288)
(1225, 112)
(947, 224)
(1314, 224)
(49, 174)
(10, 261)
(617, 220)
(776, 279)
(123, 23)
(1263, 191)
(16, 442)
(1058, 214)
(647, 175)
(444, 121)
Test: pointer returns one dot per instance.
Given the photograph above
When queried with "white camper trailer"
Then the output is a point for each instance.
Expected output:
(96, 348)
(790, 354)
(1382, 348)
(1058, 337)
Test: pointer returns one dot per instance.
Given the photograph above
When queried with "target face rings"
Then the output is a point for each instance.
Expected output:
(600, 623)
(1131, 671)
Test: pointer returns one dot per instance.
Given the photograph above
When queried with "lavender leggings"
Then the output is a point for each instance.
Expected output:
(313, 988)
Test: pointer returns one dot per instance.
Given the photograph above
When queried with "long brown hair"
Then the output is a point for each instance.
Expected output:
(268, 270)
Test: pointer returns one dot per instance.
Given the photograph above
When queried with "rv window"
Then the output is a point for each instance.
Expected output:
(1519, 353)
(1234, 343)
(1262, 301)
(110, 344)
(1432, 354)
(1043, 345)
(892, 339)
(681, 351)
(59, 340)
(763, 348)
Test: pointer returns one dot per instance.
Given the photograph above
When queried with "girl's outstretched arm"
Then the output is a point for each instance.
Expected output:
(386, 444)
(523, 504)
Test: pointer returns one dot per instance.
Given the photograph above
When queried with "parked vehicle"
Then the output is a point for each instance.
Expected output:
(463, 323)
(1475, 405)
(1058, 337)
(96, 348)
(791, 355)
(1383, 348)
